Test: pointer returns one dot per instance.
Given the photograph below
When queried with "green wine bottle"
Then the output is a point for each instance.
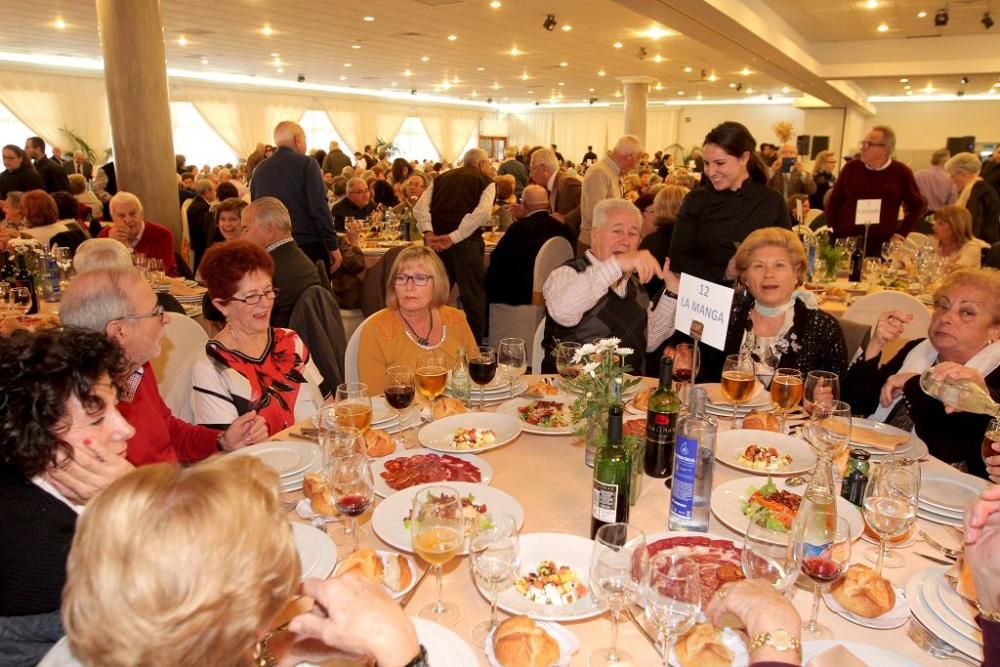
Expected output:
(612, 477)
(661, 422)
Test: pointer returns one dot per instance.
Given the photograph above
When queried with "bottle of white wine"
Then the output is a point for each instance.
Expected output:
(963, 395)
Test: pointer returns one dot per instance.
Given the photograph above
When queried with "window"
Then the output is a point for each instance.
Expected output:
(413, 142)
(320, 132)
(13, 131)
(473, 142)
(196, 140)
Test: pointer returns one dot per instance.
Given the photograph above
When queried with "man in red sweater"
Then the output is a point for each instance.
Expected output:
(122, 305)
(129, 226)
(876, 176)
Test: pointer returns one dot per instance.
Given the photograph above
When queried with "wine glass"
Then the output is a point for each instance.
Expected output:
(20, 300)
(820, 386)
(890, 503)
(493, 550)
(64, 259)
(399, 391)
(437, 527)
(871, 271)
(685, 370)
(992, 434)
(738, 379)
(334, 439)
(619, 564)
(512, 361)
(154, 267)
(353, 406)
(829, 428)
(353, 490)
(770, 555)
(786, 392)
(482, 370)
(432, 375)
(672, 598)
(139, 260)
(566, 364)
(823, 541)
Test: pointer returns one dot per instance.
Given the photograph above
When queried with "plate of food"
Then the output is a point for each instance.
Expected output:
(764, 452)
(396, 572)
(553, 582)
(391, 518)
(706, 644)
(470, 432)
(552, 415)
(718, 557)
(867, 600)
(640, 403)
(423, 466)
(771, 503)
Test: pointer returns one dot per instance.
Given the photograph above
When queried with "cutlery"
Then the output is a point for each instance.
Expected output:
(937, 647)
(321, 521)
(950, 553)
(645, 633)
(406, 598)
(288, 505)
(797, 480)
(935, 559)
(301, 436)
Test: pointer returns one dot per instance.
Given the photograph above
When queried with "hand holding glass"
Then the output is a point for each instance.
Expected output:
(820, 386)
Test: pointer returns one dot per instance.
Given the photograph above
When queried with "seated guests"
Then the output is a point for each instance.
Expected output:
(598, 295)
(955, 242)
(227, 216)
(41, 216)
(78, 188)
(62, 441)
(122, 306)
(666, 205)
(346, 280)
(504, 198)
(266, 223)
(383, 194)
(509, 276)
(19, 174)
(101, 254)
(199, 224)
(976, 195)
(414, 320)
(357, 204)
(129, 226)
(959, 344)
(191, 566)
(249, 365)
(69, 215)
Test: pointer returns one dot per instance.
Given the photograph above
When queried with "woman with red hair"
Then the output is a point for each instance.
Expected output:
(41, 216)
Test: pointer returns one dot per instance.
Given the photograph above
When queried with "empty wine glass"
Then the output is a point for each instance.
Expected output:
(493, 550)
(482, 370)
(820, 386)
(20, 300)
(770, 555)
(828, 430)
(672, 599)
(335, 440)
(353, 490)
(890, 503)
(738, 379)
(619, 564)
(64, 259)
(512, 361)
(437, 528)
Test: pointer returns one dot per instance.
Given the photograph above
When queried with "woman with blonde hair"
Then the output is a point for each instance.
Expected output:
(823, 176)
(665, 207)
(958, 248)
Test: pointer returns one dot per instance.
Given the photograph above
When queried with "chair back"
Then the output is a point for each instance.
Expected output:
(855, 336)
(554, 253)
(183, 339)
(537, 353)
(373, 288)
(867, 309)
(187, 251)
(316, 318)
(351, 356)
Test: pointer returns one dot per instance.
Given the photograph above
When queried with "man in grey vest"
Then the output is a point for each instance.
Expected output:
(450, 214)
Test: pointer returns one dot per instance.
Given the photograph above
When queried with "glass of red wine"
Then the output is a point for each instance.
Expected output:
(353, 490)
(399, 391)
(823, 542)
(685, 370)
(482, 369)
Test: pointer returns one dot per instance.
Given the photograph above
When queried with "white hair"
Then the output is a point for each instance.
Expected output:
(474, 156)
(604, 209)
(96, 298)
(265, 210)
(124, 197)
(545, 157)
(97, 254)
(964, 162)
(627, 144)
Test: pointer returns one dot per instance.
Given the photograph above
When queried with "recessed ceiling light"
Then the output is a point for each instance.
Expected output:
(929, 88)
(732, 85)
(182, 40)
(699, 96)
(368, 18)
(445, 85)
(883, 27)
(452, 38)
(267, 30)
(524, 77)
(749, 91)
(618, 45)
(355, 46)
(656, 32)
(564, 64)
(407, 73)
(561, 83)
(921, 15)
(393, 84)
(455, 80)
(474, 94)
(786, 90)
(343, 78)
(424, 59)
(659, 86)
(871, 4)
(496, 85)
(204, 60)
(657, 58)
(567, 28)
(514, 51)
(590, 90)
(280, 70)
(907, 87)
(601, 73)
(712, 77)
(275, 54)
(480, 69)
(680, 92)
(618, 93)
(745, 71)
(347, 64)
(909, 92)
(996, 85)
(496, 4)
(688, 70)
(59, 24)
(904, 80)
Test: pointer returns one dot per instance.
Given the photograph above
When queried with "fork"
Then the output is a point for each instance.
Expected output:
(938, 648)
(950, 553)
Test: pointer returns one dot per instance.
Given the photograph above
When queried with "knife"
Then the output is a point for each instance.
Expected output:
(406, 598)
(936, 559)
(642, 629)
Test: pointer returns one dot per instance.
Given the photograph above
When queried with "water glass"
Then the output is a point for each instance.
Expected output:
(619, 566)
(493, 550)
(512, 361)
(672, 599)
(770, 556)
(890, 502)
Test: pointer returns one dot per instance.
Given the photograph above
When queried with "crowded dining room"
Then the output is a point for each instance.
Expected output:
(278, 386)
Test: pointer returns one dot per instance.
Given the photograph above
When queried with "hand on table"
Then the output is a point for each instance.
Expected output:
(761, 609)
(893, 387)
(888, 328)
(91, 470)
(641, 263)
(982, 546)
(247, 429)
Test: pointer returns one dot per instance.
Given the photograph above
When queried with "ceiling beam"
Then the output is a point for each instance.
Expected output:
(928, 56)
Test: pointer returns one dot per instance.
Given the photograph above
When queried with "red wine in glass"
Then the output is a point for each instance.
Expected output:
(482, 372)
(353, 504)
(399, 396)
(821, 570)
(682, 375)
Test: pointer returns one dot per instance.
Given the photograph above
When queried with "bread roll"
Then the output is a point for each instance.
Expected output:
(366, 561)
(397, 572)
(641, 400)
(446, 406)
(541, 390)
(518, 642)
(317, 490)
(702, 646)
(860, 592)
(379, 443)
(762, 421)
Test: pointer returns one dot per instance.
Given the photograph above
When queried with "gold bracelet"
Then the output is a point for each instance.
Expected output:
(988, 615)
(779, 640)
(262, 656)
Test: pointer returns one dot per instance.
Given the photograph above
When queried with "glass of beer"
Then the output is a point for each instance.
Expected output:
(437, 528)
(353, 406)
(786, 392)
(992, 436)
(432, 375)
(738, 380)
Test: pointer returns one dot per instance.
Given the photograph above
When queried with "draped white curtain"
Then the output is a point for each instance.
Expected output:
(450, 129)
(661, 128)
(49, 103)
(532, 129)
(362, 122)
(572, 130)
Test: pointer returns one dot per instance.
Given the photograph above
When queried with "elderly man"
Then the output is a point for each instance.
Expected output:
(511, 165)
(357, 204)
(934, 182)
(128, 225)
(410, 194)
(52, 173)
(563, 188)
(335, 160)
(876, 176)
(604, 181)
(123, 306)
(295, 178)
(201, 226)
(598, 295)
(80, 165)
(793, 180)
(451, 214)
(509, 278)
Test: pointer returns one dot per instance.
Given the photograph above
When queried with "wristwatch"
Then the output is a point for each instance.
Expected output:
(779, 640)
(420, 660)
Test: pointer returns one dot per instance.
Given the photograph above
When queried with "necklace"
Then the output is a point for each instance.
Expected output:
(424, 341)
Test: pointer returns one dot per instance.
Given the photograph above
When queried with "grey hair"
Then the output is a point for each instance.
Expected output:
(125, 198)
(356, 180)
(628, 144)
(98, 254)
(286, 131)
(203, 185)
(77, 184)
(605, 207)
(270, 210)
(545, 157)
(965, 162)
(940, 156)
(96, 298)
(474, 156)
(347, 172)
(888, 135)
(510, 151)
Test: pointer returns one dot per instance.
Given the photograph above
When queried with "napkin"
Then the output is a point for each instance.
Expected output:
(871, 438)
(836, 656)
(960, 577)
(713, 392)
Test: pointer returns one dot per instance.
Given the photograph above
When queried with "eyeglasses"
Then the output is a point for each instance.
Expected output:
(157, 312)
(419, 279)
(254, 299)
(357, 192)
(870, 144)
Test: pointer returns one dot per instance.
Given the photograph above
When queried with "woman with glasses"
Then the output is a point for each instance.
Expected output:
(414, 320)
(19, 175)
(249, 365)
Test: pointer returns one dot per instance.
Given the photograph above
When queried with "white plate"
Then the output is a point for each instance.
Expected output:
(730, 445)
(949, 490)
(963, 610)
(870, 655)
(444, 647)
(568, 644)
(884, 429)
(511, 408)
(438, 434)
(285, 457)
(415, 572)
(894, 618)
(958, 515)
(492, 396)
(931, 591)
(387, 519)
(382, 411)
(563, 549)
(294, 483)
(760, 398)
(726, 499)
(384, 490)
(938, 518)
(939, 627)
(317, 552)
(730, 638)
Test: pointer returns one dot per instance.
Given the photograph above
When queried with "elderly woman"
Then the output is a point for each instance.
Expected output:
(227, 217)
(976, 195)
(19, 174)
(505, 185)
(62, 441)
(11, 207)
(192, 566)
(955, 243)
(249, 365)
(960, 344)
(632, 187)
(41, 216)
(661, 215)
(414, 320)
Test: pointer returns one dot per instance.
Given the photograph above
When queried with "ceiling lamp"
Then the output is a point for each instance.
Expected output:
(550, 22)
(941, 17)
(987, 20)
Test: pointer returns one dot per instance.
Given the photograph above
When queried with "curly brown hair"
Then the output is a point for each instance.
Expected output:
(39, 208)
(226, 264)
(39, 372)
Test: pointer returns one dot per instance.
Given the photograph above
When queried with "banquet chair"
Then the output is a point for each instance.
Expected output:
(183, 340)
(537, 353)
(867, 309)
(554, 253)
(856, 336)
(316, 318)
(351, 355)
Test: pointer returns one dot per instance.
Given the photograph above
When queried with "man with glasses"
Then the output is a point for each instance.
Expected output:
(123, 306)
(357, 204)
(876, 176)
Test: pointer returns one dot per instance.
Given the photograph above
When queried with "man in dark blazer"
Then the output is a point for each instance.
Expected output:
(563, 187)
(200, 224)
(79, 165)
(52, 173)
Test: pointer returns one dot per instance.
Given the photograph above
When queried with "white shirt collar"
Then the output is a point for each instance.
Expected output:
(552, 181)
(45, 486)
(882, 168)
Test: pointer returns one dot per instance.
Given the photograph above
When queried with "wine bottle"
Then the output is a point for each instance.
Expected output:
(694, 463)
(612, 477)
(661, 422)
(963, 395)
(461, 381)
(857, 260)
(24, 279)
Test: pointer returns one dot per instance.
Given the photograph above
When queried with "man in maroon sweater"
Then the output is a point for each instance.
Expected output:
(123, 306)
(131, 228)
(876, 176)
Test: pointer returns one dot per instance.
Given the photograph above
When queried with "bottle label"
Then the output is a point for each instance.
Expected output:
(605, 507)
(685, 471)
(660, 426)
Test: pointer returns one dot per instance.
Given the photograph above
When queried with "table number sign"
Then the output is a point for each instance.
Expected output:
(707, 302)
(867, 212)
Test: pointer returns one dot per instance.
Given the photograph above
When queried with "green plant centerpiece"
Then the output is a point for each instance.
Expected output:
(830, 254)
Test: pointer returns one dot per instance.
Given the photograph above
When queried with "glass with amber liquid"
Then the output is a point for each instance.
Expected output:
(738, 380)
(437, 528)
(353, 406)
(992, 436)
(432, 376)
(786, 392)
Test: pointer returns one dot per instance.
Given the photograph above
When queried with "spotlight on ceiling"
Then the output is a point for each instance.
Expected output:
(489, 100)
(537, 103)
(987, 20)
(641, 53)
(592, 100)
(550, 22)
(941, 17)
(964, 80)
(413, 91)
